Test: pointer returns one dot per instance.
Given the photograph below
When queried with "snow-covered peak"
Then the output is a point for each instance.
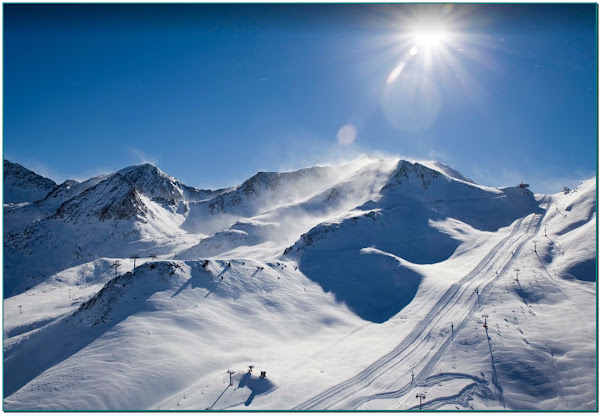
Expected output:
(156, 184)
(22, 185)
(416, 173)
(263, 192)
(70, 183)
(301, 182)
(17, 219)
(143, 169)
(412, 181)
(113, 198)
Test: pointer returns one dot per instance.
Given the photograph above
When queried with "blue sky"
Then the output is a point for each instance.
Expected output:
(214, 93)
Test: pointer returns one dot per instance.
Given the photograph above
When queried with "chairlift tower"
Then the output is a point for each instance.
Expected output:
(134, 256)
(485, 316)
(517, 273)
(230, 372)
(152, 256)
(116, 264)
(421, 397)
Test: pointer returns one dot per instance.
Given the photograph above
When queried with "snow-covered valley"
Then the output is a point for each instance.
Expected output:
(354, 286)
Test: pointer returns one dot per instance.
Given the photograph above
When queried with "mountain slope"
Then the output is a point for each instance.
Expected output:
(279, 227)
(402, 222)
(528, 369)
(232, 308)
(22, 185)
(114, 217)
(145, 178)
(261, 193)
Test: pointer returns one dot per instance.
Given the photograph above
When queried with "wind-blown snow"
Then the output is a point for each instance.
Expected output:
(354, 287)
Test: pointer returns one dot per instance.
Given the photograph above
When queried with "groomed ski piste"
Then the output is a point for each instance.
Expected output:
(353, 287)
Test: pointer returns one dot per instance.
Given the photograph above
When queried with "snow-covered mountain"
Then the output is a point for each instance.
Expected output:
(137, 209)
(406, 221)
(22, 185)
(271, 231)
(156, 184)
(297, 274)
(263, 192)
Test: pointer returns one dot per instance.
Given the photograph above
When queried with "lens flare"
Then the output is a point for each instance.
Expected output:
(347, 134)
(396, 72)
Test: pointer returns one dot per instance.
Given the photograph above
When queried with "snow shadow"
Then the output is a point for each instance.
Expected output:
(374, 287)
(584, 270)
(257, 385)
(495, 379)
(202, 278)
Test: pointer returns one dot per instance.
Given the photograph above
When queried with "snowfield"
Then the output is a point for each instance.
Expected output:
(354, 287)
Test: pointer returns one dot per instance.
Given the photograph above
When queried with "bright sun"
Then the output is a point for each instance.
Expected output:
(432, 38)
(429, 38)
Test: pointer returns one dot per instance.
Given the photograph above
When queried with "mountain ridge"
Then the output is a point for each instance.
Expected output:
(23, 185)
(297, 274)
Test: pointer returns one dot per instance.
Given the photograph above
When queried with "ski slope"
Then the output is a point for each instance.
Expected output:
(467, 293)
(366, 287)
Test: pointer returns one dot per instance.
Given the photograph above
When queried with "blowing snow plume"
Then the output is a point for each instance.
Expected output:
(261, 193)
